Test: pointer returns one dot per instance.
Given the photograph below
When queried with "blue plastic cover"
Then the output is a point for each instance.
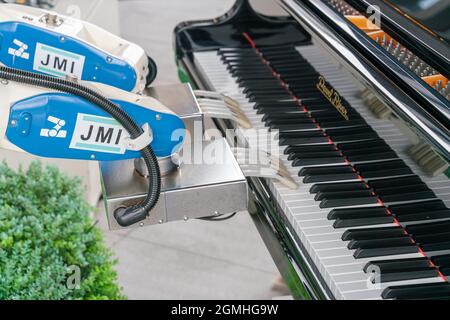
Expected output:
(35, 49)
(59, 125)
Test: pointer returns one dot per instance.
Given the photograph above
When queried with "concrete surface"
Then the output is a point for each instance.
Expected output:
(195, 259)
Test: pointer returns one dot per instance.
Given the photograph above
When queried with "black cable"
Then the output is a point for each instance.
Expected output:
(124, 216)
(220, 218)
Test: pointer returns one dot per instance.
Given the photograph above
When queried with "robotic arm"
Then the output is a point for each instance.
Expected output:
(57, 118)
(72, 90)
(65, 88)
(44, 42)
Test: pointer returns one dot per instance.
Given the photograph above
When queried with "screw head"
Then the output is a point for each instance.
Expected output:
(160, 222)
(141, 224)
(158, 117)
(109, 59)
(185, 218)
(216, 213)
(14, 122)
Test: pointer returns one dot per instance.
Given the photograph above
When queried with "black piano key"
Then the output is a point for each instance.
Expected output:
(276, 105)
(412, 208)
(386, 173)
(363, 145)
(286, 141)
(295, 113)
(342, 124)
(356, 213)
(318, 106)
(428, 228)
(307, 161)
(291, 55)
(417, 291)
(373, 233)
(418, 187)
(363, 151)
(331, 115)
(253, 77)
(396, 265)
(302, 134)
(288, 60)
(330, 177)
(287, 53)
(287, 117)
(234, 65)
(392, 182)
(372, 156)
(380, 252)
(354, 137)
(266, 91)
(411, 274)
(432, 238)
(405, 193)
(343, 186)
(318, 154)
(325, 170)
(409, 196)
(271, 91)
(259, 83)
(441, 260)
(305, 126)
(346, 202)
(348, 223)
(309, 149)
(331, 122)
(439, 246)
(276, 87)
(349, 131)
(297, 75)
(284, 111)
(328, 174)
(274, 122)
(243, 59)
(394, 164)
(445, 271)
(423, 216)
(380, 243)
(250, 73)
(269, 97)
(293, 72)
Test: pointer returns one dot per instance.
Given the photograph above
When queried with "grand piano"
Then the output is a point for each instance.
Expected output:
(358, 93)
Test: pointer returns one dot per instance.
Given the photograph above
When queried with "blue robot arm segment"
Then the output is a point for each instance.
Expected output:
(59, 125)
(31, 48)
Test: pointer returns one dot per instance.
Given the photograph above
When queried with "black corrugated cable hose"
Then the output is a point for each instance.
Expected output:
(124, 216)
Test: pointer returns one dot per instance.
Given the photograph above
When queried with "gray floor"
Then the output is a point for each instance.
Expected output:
(195, 259)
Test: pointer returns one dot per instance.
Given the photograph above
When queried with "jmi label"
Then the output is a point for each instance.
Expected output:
(57, 62)
(98, 134)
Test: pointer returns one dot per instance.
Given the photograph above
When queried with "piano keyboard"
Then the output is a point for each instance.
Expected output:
(363, 205)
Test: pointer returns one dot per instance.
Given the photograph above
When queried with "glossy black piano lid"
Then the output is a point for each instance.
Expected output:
(227, 31)
(433, 14)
